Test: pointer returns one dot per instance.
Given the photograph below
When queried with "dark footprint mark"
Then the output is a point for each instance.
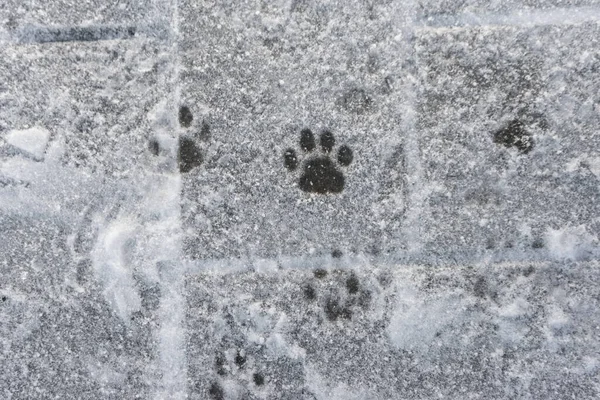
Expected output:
(327, 141)
(240, 360)
(258, 379)
(185, 117)
(204, 131)
(335, 305)
(337, 253)
(189, 155)
(530, 270)
(334, 310)
(216, 392)
(220, 365)
(319, 174)
(320, 273)
(154, 147)
(352, 284)
(480, 287)
(309, 292)
(345, 156)
(514, 134)
(307, 140)
(290, 160)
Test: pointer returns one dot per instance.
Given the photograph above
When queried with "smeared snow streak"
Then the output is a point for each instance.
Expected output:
(171, 334)
(112, 267)
(172, 360)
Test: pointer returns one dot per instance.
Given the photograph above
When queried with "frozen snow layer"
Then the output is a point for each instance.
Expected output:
(81, 287)
(32, 141)
(306, 156)
(503, 331)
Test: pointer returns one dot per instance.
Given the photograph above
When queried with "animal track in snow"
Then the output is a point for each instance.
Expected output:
(320, 174)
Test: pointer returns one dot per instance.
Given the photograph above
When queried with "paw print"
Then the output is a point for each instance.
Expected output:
(189, 155)
(319, 173)
(335, 304)
(514, 135)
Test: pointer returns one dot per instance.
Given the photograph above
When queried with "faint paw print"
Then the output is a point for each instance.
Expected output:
(319, 173)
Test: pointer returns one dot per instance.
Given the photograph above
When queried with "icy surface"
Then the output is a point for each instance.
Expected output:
(32, 141)
(299, 199)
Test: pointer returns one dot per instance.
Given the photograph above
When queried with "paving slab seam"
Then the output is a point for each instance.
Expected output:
(520, 18)
(361, 263)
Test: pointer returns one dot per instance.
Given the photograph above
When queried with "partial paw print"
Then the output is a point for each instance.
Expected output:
(514, 135)
(189, 155)
(335, 303)
(244, 362)
(235, 368)
(320, 173)
(518, 133)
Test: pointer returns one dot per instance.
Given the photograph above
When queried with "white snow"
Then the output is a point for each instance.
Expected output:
(32, 141)
(113, 266)
(571, 243)
(417, 322)
(406, 200)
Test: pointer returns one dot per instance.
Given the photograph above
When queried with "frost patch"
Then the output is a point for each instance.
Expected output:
(557, 319)
(572, 243)
(587, 162)
(111, 264)
(418, 322)
(515, 310)
(32, 141)
(322, 389)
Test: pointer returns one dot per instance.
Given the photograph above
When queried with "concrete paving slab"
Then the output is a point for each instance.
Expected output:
(481, 331)
(80, 290)
(431, 10)
(17, 16)
(295, 110)
(103, 100)
(509, 143)
(60, 337)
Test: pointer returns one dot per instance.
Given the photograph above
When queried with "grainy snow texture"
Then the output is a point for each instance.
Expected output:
(300, 199)
(259, 76)
(527, 331)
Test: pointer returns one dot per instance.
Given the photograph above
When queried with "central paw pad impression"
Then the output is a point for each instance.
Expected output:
(319, 173)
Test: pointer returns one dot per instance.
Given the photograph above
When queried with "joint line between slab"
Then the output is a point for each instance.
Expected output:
(520, 18)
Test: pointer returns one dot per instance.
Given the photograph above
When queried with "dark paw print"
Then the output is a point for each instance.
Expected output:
(189, 155)
(235, 368)
(335, 305)
(320, 173)
(515, 135)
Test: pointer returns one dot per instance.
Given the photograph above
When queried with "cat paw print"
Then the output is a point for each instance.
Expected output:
(189, 155)
(335, 304)
(319, 173)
